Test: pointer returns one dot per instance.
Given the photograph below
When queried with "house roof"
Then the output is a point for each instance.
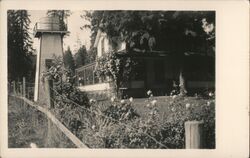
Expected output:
(98, 36)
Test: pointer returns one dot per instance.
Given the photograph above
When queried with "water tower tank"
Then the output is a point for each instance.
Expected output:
(49, 24)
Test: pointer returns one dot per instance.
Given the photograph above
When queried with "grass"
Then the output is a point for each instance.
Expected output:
(27, 125)
(23, 129)
(163, 104)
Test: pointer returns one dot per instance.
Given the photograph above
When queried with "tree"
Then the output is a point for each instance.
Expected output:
(95, 18)
(81, 57)
(69, 60)
(92, 52)
(19, 45)
(177, 32)
(62, 14)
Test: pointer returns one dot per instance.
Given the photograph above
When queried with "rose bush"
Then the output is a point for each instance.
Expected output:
(69, 102)
(154, 130)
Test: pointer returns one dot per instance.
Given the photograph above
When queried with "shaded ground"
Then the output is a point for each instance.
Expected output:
(27, 125)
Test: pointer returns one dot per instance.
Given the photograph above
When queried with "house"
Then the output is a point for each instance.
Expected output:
(155, 70)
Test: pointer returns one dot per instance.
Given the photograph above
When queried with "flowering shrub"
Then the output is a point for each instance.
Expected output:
(154, 130)
(182, 110)
(121, 110)
(66, 97)
(116, 68)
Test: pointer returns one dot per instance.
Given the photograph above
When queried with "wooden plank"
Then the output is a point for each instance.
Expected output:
(66, 131)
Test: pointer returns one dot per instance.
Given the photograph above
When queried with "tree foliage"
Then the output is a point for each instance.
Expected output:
(19, 45)
(94, 17)
(62, 14)
(81, 57)
(69, 60)
(92, 52)
(176, 31)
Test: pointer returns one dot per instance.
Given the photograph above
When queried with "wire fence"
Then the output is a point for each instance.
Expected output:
(80, 119)
(25, 89)
(103, 116)
(77, 117)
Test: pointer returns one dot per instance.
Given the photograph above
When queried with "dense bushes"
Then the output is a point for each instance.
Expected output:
(121, 111)
(118, 123)
(155, 130)
(69, 102)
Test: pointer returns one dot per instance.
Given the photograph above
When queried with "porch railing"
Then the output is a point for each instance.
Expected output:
(85, 75)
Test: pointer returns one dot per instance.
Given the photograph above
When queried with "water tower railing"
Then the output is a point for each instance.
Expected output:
(41, 26)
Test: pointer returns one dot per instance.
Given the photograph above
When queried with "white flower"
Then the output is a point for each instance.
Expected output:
(147, 105)
(149, 92)
(174, 96)
(112, 99)
(196, 95)
(92, 101)
(154, 102)
(122, 101)
(187, 105)
(131, 99)
(33, 145)
(155, 112)
(208, 103)
(151, 95)
(210, 94)
(93, 127)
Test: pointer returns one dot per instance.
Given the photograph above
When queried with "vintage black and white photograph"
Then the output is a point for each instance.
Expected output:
(116, 79)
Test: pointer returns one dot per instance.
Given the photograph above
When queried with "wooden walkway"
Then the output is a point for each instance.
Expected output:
(64, 129)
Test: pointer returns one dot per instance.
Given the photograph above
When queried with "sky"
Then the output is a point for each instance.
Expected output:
(74, 24)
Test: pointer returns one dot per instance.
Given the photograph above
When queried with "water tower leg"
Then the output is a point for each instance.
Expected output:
(37, 79)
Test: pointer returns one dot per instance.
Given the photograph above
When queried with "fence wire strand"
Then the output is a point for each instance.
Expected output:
(99, 114)
(102, 115)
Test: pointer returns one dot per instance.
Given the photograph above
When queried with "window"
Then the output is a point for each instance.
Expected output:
(48, 63)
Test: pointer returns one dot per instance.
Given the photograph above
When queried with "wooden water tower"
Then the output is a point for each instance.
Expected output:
(50, 32)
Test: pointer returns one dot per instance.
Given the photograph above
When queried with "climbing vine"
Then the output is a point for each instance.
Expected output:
(114, 68)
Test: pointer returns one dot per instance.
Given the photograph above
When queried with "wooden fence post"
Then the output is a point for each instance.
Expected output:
(194, 135)
(28, 91)
(24, 87)
(21, 89)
